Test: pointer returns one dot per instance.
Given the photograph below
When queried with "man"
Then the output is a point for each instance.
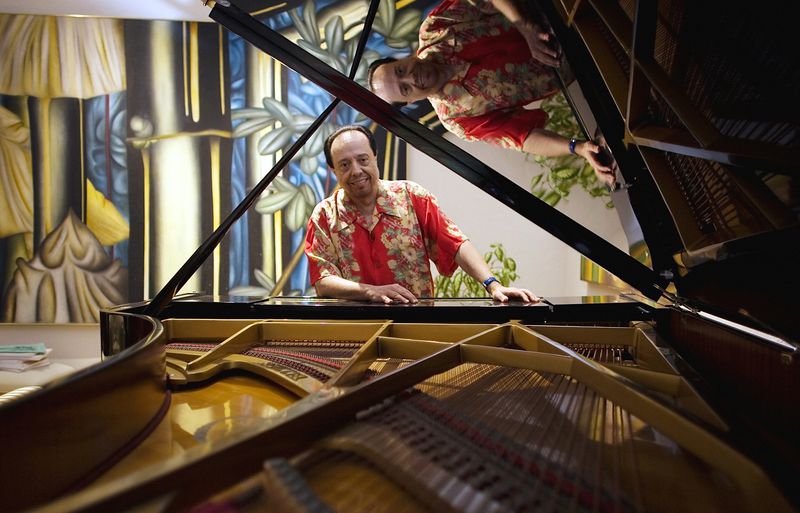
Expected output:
(479, 63)
(372, 239)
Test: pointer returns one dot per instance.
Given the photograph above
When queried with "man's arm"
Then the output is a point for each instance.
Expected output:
(341, 288)
(522, 131)
(550, 144)
(536, 38)
(473, 264)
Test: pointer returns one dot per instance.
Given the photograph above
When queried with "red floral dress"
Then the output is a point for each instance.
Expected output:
(495, 73)
(409, 231)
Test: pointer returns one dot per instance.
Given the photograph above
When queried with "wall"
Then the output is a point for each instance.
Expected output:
(546, 265)
(75, 346)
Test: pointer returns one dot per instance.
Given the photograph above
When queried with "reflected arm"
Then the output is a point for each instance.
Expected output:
(536, 38)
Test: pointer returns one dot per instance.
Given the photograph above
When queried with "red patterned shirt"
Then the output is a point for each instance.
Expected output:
(495, 73)
(409, 231)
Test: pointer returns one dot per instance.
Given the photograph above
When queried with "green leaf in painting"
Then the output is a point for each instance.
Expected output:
(385, 17)
(250, 113)
(310, 17)
(251, 126)
(271, 203)
(296, 213)
(277, 109)
(264, 280)
(308, 194)
(309, 164)
(274, 140)
(282, 184)
(407, 23)
(334, 35)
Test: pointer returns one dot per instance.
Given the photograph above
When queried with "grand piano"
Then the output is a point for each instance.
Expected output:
(680, 396)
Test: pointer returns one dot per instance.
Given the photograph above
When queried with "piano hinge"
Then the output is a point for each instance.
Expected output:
(677, 301)
(764, 332)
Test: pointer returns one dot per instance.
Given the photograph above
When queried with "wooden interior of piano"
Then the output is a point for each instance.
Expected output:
(435, 417)
(301, 364)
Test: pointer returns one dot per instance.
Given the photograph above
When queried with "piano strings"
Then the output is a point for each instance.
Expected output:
(482, 438)
(383, 366)
(319, 359)
(606, 353)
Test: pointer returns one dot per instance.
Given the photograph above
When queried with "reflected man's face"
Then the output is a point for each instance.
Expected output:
(409, 79)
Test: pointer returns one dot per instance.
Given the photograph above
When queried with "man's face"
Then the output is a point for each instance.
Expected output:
(409, 79)
(355, 166)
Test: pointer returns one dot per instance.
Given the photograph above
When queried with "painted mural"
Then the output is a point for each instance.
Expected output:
(124, 143)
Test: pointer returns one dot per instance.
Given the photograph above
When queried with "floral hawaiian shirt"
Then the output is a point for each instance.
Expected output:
(409, 231)
(495, 73)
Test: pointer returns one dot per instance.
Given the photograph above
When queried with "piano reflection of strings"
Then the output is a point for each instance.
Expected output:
(615, 406)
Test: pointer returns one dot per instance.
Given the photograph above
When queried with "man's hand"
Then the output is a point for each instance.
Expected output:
(591, 152)
(503, 294)
(538, 40)
(393, 293)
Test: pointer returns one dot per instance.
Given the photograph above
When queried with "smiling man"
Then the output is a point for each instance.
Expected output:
(480, 63)
(410, 79)
(373, 240)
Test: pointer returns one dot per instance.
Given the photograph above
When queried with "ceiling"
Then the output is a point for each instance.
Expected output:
(148, 9)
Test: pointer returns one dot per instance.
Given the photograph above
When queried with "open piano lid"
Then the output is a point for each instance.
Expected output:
(698, 181)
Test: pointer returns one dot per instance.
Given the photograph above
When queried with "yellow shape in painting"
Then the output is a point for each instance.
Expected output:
(16, 189)
(103, 218)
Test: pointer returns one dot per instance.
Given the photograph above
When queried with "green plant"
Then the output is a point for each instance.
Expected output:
(503, 267)
(564, 172)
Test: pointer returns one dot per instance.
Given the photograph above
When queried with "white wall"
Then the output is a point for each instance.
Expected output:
(75, 346)
(74, 343)
(547, 266)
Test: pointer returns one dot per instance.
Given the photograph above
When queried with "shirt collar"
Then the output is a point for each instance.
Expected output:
(347, 212)
(387, 201)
